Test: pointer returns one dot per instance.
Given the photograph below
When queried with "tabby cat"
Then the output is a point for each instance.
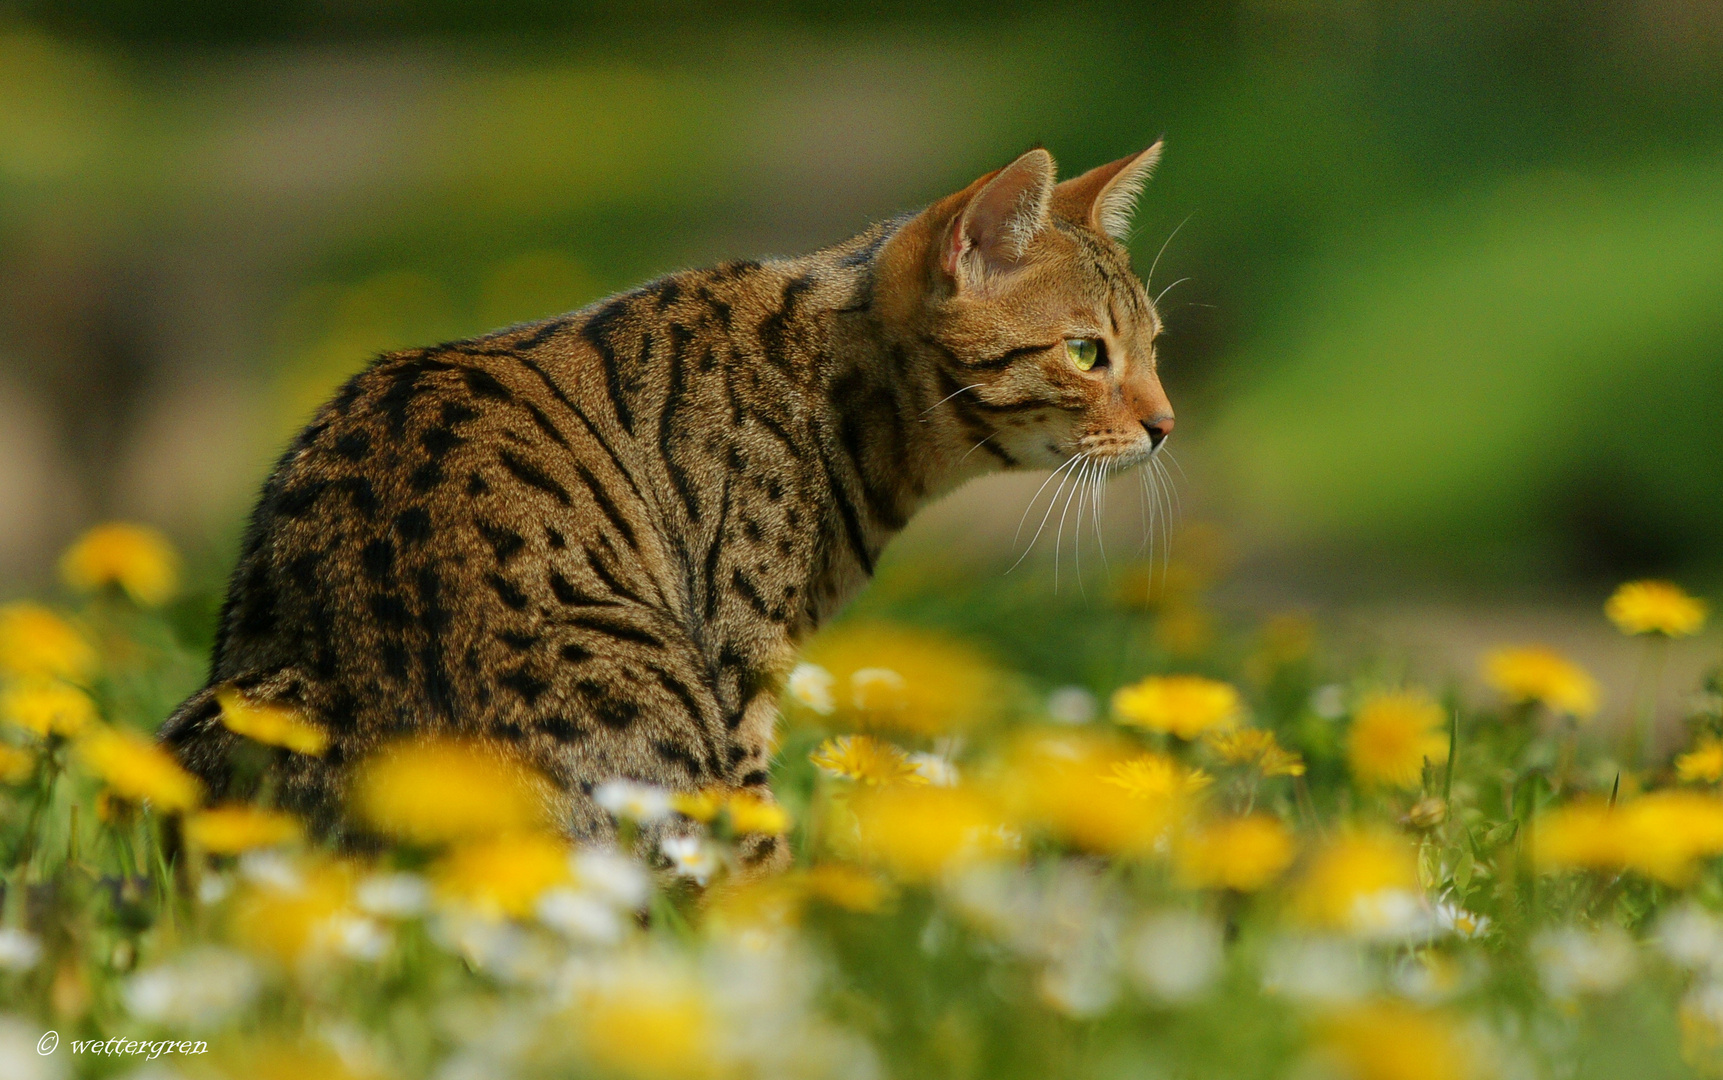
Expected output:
(600, 538)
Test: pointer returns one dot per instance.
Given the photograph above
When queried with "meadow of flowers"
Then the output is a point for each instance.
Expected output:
(1234, 861)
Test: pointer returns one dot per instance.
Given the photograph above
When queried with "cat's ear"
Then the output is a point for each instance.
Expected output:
(994, 226)
(1105, 197)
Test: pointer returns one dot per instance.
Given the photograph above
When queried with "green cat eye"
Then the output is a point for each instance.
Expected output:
(1083, 352)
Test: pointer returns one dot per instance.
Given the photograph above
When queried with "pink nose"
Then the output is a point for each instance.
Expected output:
(1158, 428)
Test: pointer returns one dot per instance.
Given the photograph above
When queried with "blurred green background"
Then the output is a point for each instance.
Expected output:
(1448, 317)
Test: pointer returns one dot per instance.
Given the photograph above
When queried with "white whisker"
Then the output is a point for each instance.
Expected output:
(1169, 289)
(954, 393)
(1054, 501)
(1151, 275)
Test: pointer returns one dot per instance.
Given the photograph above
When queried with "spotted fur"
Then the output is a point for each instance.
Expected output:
(599, 539)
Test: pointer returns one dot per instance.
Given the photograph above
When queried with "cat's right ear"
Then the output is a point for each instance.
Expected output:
(1000, 216)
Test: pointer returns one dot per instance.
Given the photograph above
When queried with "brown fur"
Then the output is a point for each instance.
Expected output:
(600, 538)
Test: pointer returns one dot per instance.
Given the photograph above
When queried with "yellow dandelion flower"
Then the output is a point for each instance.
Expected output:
(267, 722)
(1095, 793)
(750, 813)
(1655, 607)
(702, 805)
(16, 765)
(651, 1027)
(134, 558)
(919, 832)
(888, 678)
(294, 920)
(1244, 854)
(1392, 1041)
(1350, 876)
(46, 706)
(1393, 735)
(35, 642)
(1155, 776)
(1182, 705)
(1535, 673)
(229, 830)
(847, 887)
(1702, 764)
(136, 769)
(1664, 835)
(866, 760)
(1255, 747)
(505, 875)
(445, 789)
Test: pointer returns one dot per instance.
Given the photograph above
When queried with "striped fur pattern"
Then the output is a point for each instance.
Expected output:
(597, 540)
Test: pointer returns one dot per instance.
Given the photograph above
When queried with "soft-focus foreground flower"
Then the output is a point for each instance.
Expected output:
(135, 558)
(1255, 747)
(629, 800)
(1094, 793)
(194, 990)
(1535, 673)
(1655, 607)
(649, 1024)
(812, 685)
(919, 832)
(1364, 883)
(36, 642)
(1391, 1041)
(266, 722)
(505, 875)
(1702, 764)
(691, 857)
(1393, 735)
(19, 949)
(294, 911)
(1244, 854)
(1573, 961)
(1175, 955)
(866, 760)
(47, 706)
(900, 679)
(1182, 705)
(229, 830)
(443, 790)
(1663, 835)
(137, 769)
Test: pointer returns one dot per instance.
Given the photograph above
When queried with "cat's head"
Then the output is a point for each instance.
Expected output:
(1022, 291)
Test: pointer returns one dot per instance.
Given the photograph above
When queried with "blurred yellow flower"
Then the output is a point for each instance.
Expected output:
(1655, 607)
(266, 722)
(295, 919)
(919, 832)
(1254, 746)
(750, 813)
(1182, 705)
(1155, 776)
(446, 789)
(1243, 853)
(1392, 735)
(899, 679)
(1392, 1041)
(867, 760)
(136, 769)
(1664, 835)
(847, 887)
(505, 875)
(1702, 764)
(36, 642)
(1535, 673)
(702, 805)
(16, 765)
(1347, 879)
(135, 558)
(229, 830)
(46, 706)
(653, 1028)
(1096, 793)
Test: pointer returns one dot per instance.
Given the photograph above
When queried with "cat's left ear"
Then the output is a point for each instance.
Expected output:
(1105, 197)
(1000, 214)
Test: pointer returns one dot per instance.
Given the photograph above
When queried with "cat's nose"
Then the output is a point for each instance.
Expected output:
(1158, 428)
